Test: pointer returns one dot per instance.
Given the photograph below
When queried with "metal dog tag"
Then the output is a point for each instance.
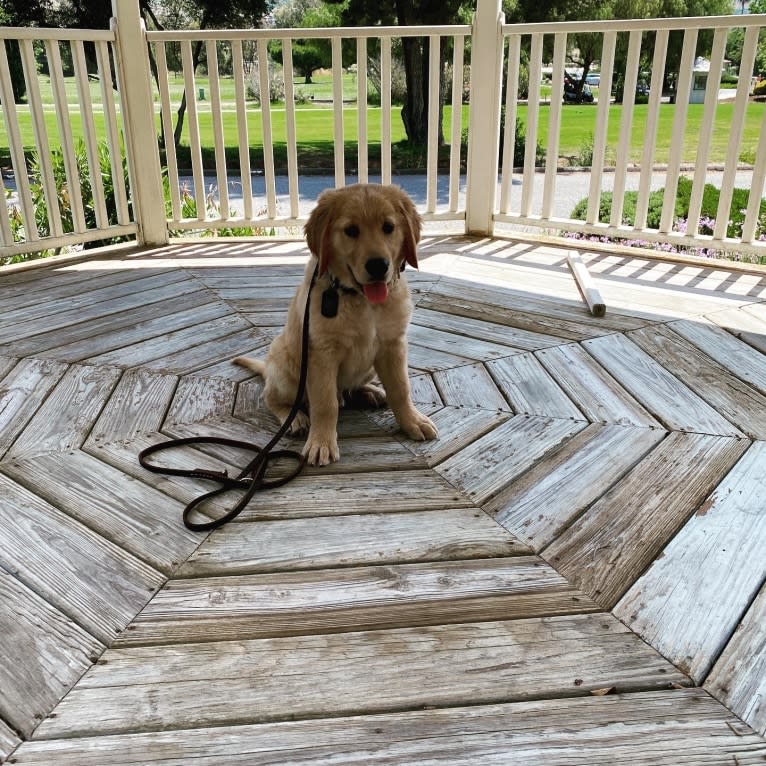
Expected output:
(330, 303)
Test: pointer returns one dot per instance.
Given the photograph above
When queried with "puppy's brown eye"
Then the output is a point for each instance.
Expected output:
(351, 231)
(388, 227)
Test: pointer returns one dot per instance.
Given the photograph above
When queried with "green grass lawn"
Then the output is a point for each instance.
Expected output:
(315, 127)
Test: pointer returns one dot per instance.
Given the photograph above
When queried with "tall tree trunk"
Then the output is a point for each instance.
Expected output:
(416, 69)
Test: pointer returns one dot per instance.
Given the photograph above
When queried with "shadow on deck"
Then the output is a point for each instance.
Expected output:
(572, 573)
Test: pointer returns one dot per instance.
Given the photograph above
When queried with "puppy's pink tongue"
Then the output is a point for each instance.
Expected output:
(376, 292)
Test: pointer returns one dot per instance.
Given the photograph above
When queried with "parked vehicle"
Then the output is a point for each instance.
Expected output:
(593, 78)
(571, 95)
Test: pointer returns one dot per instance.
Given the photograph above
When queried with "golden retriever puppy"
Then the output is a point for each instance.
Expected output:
(360, 238)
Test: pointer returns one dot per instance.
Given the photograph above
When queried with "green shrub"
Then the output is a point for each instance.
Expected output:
(709, 210)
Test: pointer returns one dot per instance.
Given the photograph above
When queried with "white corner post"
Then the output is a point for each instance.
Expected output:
(135, 85)
(484, 117)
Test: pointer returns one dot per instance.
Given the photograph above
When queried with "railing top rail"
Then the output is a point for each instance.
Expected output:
(55, 33)
(294, 33)
(629, 25)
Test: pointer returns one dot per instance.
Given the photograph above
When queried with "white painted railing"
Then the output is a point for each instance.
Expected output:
(529, 209)
(47, 214)
(491, 197)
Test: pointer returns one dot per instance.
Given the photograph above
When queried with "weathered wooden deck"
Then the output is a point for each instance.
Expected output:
(572, 574)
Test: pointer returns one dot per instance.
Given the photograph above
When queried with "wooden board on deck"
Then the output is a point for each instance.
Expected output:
(9, 740)
(91, 580)
(108, 331)
(655, 728)
(544, 501)
(495, 460)
(692, 597)
(469, 386)
(447, 534)
(67, 415)
(208, 684)
(722, 346)
(530, 389)
(22, 391)
(743, 325)
(131, 514)
(738, 679)
(736, 401)
(661, 392)
(224, 608)
(607, 548)
(593, 391)
(43, 654)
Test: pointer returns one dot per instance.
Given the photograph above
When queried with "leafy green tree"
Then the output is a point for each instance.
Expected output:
(312, 53)
(415, 51)
(15, 13)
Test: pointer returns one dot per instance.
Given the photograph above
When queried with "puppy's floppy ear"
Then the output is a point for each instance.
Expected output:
(413, 223)
(317, 228)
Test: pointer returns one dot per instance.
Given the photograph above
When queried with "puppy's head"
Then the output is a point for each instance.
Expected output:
(363, 234)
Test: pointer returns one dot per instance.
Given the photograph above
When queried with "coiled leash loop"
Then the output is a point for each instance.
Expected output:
(252, 477)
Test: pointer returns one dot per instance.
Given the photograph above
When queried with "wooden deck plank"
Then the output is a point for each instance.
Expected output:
(458, 427)
(593, 391)
(475, 349)
(495, 460)
(424, 390)
(352, 599)
(42, 316)
(7, 363)
(65, 418)
(662, 393)
(9, 740)
(52, 284)
(607, 548)
(200, 398)
(92, 581)
(137, 405)
(214, 351)
(44, 653)
(515, 340)
(107, 331)
(469, 386)
(22, 391)
(728, 395)
(539, 505)
(668, 728)
(738, 679)
(690, 600)
(524, 310)
(354, 540)
(130, 514)
(142, 351)
(530, 389)
(720, 345)
(208, 684)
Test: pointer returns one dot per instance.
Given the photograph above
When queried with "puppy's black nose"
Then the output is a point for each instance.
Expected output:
(377, 268)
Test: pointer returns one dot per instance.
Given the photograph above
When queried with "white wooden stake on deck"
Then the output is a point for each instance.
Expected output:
(585, 284)
(138, 115)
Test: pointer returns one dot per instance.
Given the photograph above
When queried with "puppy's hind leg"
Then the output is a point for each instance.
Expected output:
(279, 398)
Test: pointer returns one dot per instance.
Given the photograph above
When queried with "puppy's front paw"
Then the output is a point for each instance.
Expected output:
(419, 427)
(320, 451)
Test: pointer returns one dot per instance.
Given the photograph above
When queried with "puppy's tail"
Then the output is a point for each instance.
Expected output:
(258, 366)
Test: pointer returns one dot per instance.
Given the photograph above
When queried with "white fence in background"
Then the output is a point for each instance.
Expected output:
(130, 119)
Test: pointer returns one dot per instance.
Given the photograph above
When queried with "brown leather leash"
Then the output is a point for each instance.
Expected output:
(252, 478)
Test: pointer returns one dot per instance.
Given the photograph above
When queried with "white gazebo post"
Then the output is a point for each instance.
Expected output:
(134, 80)
(484, 119)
